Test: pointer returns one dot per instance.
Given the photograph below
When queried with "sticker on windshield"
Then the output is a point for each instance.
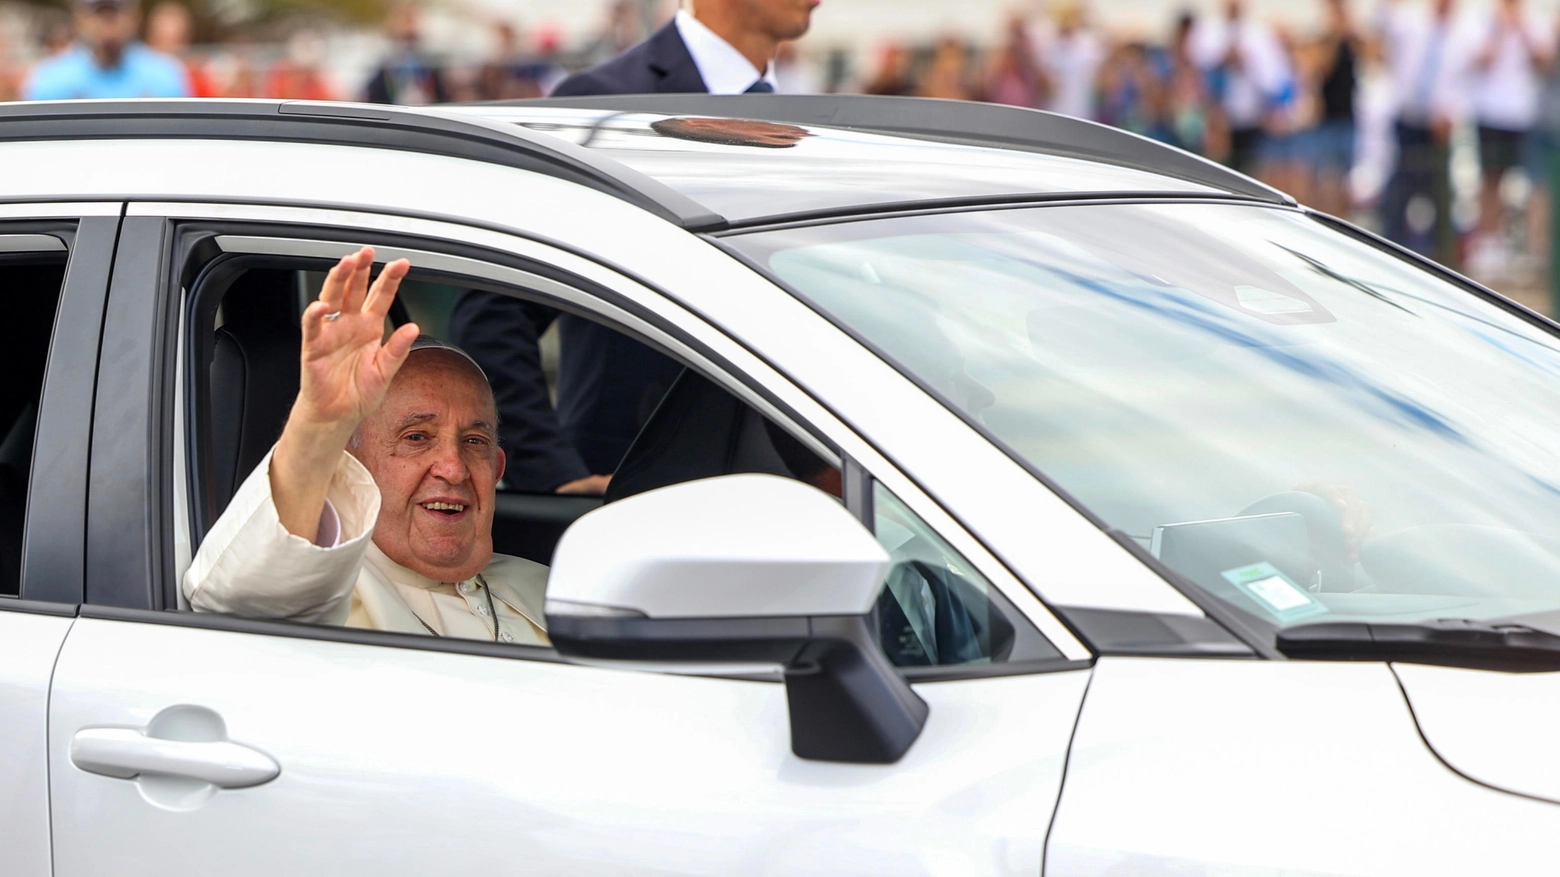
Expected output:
(1274, 592)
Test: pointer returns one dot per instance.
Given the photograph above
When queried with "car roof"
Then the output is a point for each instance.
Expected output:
(710, 163)
(751, 169)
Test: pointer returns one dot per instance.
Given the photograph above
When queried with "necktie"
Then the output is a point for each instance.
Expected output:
(762, 86)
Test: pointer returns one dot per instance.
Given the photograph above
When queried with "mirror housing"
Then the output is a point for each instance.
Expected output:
(742, 569)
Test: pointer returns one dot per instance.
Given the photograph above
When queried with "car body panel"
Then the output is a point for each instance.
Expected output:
(1252, 767)
(414, 760)
(403, 761)
(28, 646)
(822, 169)
(1496, 728)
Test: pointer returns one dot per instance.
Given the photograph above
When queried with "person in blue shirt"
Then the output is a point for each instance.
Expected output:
(107, 62)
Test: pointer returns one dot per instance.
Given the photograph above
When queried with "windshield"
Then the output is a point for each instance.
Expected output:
(1304, 426)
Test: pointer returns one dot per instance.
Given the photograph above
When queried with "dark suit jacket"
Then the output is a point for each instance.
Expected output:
(608, 384)
(659, 65)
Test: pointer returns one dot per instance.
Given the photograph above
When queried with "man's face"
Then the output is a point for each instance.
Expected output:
(107, 27)
(432, 448)
(780, 19)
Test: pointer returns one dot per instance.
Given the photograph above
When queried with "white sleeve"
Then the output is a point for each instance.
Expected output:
(250, 565)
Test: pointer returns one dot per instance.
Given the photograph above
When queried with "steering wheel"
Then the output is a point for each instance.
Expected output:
(1329, 551)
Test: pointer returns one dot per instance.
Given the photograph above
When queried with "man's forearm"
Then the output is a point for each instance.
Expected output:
(301, 470)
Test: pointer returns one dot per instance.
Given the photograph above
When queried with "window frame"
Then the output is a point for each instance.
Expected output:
(658, 311)
(54, 528)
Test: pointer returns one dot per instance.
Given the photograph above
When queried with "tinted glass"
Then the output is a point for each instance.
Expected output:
(32, 284)
(1305, 426)
(936, 609)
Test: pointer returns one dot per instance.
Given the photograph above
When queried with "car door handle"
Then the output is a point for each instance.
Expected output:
(127, 753)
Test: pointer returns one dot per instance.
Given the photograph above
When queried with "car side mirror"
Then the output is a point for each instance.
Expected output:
(742, 569)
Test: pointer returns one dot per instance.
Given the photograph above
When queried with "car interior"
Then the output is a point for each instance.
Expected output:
(32, 283)
(699, 430)
(245, 338)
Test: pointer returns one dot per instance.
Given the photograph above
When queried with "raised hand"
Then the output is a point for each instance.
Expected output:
(345, 367)
(346, 370)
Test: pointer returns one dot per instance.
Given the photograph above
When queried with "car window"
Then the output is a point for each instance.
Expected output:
(1305, 426)
(936, 609)
(683, 426)
(32, 283)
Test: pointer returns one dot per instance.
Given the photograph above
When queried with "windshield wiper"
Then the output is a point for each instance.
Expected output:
(1449, 642)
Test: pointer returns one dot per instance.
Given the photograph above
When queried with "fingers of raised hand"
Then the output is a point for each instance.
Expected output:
(357, 282)
(334, 291)
(383, 292)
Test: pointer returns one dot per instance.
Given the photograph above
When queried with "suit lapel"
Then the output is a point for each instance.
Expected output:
(672, 64)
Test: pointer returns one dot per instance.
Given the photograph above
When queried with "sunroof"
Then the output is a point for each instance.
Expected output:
(747, 170)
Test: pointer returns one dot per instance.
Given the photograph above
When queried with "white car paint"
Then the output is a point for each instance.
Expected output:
(1496, 728)
(28, 646)
(401, 761)
(1268, 768)
(734, 546)
(405, 762)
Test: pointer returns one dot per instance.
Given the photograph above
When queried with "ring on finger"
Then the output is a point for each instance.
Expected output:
(332, 316)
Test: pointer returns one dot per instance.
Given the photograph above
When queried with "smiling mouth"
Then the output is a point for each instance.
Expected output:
(448, 509)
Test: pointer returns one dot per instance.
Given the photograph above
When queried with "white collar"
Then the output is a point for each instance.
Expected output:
(723, 69)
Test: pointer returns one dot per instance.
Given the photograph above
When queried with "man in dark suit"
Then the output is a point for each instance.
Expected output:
(608, 383)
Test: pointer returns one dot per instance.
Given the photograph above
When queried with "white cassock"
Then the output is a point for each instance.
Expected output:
(249, 565)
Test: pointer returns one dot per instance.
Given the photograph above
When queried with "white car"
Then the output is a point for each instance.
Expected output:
(1176, 529)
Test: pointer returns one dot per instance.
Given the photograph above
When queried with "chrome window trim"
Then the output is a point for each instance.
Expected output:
(759, 370)
(56, 209)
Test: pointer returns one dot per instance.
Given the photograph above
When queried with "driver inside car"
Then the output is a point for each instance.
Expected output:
(375, 508)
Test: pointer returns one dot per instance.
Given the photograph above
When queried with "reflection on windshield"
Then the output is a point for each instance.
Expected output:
(1306, 427)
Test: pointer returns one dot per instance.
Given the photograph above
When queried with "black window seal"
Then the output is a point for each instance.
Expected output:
(39, 607)
(976, 205)
(963, 672)
(324, 632)
(828, 215)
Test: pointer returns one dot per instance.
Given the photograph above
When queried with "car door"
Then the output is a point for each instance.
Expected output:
(54, 262)
(188, 744)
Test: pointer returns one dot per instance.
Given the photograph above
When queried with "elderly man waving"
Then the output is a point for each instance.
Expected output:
(375, 509)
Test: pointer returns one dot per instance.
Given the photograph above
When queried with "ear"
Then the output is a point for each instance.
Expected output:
(503, 461)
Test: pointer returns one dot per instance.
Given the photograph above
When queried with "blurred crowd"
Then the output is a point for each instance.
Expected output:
(1436, 123)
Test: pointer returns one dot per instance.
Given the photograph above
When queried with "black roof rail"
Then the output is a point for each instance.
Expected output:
(344, 124)
(978, 124)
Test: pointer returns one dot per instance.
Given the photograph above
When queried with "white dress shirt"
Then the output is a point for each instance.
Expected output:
(1505, 93)
(723, 69)
(1430, 62)
(1074, 63)
(249, 565)
(1250, 88)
